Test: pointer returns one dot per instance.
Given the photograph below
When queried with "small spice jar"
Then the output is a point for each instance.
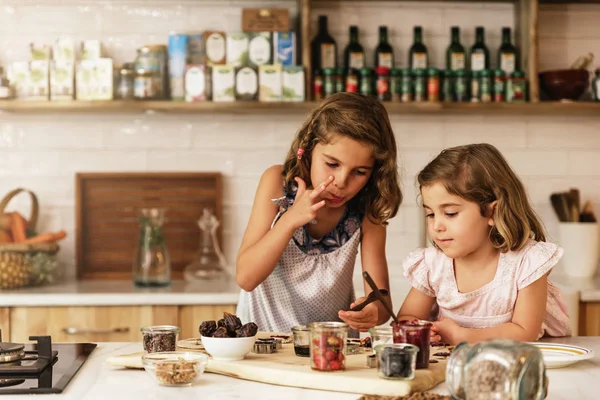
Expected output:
(485, 86)
(328, 346)
(396, 360)
(301, 340)
(383, 84)
(318, 86)
(516, 87)
(461, 86)
(340, 85)
(419, 85)
(366, 81)
(352, 81)
(475, 86)
(124, 81)
(407, 85)
(448, 86)
(396, 85)
(328, 82)
(499, 86)
(415, 332)
(161, 338)
(433, 85)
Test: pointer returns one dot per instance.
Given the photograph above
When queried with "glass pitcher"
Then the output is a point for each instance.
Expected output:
(151, 263)
(210, 262)
(496, 370)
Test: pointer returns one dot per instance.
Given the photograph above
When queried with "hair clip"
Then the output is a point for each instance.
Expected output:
(299, 153)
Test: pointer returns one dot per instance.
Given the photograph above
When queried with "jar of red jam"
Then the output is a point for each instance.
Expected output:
(415, 332)
(328, 346)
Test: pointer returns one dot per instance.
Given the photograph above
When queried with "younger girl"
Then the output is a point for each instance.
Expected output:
(336, 190)
(488, 269)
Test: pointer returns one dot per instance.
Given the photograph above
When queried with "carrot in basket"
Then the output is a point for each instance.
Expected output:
(18, 227)
(46, 237)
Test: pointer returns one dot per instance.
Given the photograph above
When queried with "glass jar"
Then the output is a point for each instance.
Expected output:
(433, 85)
(498, 369)
(461, 85)
(419, 85)
(475, 86)
(407, 85)
(396, 85)
(210, 262)
(328, 346)
(396, 360)
(339, 80)
(366, 81)
(158, 339)
(124, 82)
(352, 81)
(328, 82)
(150, 67)
(151, 263)
(383, 84)
(381, 335)
(516, 87)
(485, 86)
(415, 332)
(301, 340)
(499, 86)
(318, 86)
(448, 86)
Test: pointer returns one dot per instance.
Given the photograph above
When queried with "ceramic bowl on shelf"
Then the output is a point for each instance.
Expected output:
(565, 84)
(175, 368)
(228, 349)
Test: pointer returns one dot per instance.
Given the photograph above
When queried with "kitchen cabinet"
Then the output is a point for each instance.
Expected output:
(589, 318)
(102, 323)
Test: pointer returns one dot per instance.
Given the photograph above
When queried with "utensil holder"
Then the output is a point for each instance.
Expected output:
(581, 244)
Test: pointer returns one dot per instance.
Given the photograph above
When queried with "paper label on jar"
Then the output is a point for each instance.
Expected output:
(457, 61)
(357, 60)
(419, 61)
(385, 60)
(215, 47)
(259, 50)
(195, 82)
(507, 63)
(477, 61)
(246, 81)
(327, 55)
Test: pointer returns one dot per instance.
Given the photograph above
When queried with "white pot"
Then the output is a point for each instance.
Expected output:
(581, 243)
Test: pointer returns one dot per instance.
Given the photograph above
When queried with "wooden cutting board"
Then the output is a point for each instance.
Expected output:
(286, 369)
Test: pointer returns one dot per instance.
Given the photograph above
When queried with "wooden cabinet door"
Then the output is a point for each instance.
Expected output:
(88, 324)
(5, 323)
(190, 317)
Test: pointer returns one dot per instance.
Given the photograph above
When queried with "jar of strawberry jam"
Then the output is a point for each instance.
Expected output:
(328, 346)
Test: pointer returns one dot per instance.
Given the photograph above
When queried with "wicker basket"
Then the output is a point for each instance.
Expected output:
(16, 265)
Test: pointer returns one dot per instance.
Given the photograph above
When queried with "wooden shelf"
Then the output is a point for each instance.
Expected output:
(249, 108)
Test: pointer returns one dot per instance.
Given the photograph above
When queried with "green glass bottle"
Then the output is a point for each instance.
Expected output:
(418, 51)
(354, 55)
(508, 55)
(480, 55)
(455, 54)
(384, 53)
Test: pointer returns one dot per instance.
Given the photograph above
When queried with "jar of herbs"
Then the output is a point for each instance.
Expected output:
(485, 86)
(328, 82)
(419, 85)
(516, 87)
(151, 263)
(340, 85)
(406, 85)
(499, 86)
(318, 85)
(352, 81)
(396, 85)
(383, 84)
(461, 86)
(366, 82)
(433, 85)
(448, 86)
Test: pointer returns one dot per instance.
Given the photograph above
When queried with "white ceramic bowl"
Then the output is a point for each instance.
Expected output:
(175, 368)
(228, 349)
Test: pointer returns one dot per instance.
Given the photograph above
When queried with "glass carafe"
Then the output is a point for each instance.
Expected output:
(151, 263)
(209, 262)
(496, 370)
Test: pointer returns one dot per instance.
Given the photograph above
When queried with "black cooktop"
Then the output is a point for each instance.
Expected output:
(40, 368)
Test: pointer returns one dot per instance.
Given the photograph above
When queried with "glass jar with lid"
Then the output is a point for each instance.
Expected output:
(498, 369)
(381, 335)
(151, 263)
(328, 345)
(150, 63)
(124, 76)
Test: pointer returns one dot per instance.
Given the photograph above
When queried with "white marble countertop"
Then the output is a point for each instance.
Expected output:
(97, 380)
(122, 293)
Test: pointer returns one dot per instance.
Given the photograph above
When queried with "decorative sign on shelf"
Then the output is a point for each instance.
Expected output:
(265, 20)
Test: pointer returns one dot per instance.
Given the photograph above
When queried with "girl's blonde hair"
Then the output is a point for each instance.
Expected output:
(480, 174)
(361, 118)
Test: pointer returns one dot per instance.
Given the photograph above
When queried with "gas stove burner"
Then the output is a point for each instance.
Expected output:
(10, 382)
(10, 352)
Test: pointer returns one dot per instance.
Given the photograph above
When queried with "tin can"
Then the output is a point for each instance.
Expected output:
(420, 85)
(516, 88)
(485, 86)
(328, 82)
(352, 81)
(475, 86)
(318, 86)
(366, 82)
(461, 86)
(499, 86)
(340, 85)
(448, 86)
(383, 84)
(396, 85)
(433, 85)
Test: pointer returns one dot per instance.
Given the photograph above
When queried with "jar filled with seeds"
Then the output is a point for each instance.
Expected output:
(498, 369)
(158, 339)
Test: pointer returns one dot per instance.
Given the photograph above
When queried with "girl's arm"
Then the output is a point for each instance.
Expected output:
(262, 246)
(526, 323)
(416, 305)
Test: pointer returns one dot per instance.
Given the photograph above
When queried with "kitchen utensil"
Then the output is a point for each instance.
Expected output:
(576, 201)
(370, 298)
(587, 214)
(562, 355)
(379, 295)
(265, 346)
(560, 207)
(568, 84)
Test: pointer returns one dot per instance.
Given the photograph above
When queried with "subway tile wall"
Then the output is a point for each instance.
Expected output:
(43, 152)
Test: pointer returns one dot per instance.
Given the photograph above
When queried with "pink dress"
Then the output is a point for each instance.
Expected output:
(431, 272)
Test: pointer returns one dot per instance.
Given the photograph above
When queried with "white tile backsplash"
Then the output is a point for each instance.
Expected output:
(44, 152)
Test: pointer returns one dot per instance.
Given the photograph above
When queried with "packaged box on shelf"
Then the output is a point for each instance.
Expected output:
(237, 49)
(64, 49)
(215, 47)
(196, 79)
(94, 79)
(91, 50)
(62, 80)
(246, 84)
(178, 47)
(223, 81)
(196, 50)
(293, 84)
(269, 78)
(39, 80)
(260, 49)
(39, 52)
(284, 45)
(18, 75)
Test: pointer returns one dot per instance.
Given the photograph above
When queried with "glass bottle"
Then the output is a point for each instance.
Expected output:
(418, 51)
(384, 53)
(455, 55)
(480, 55)
(323, 47)
(151, 263)
(498, 369)
(508, 57)
(354, 55)
(210, 262)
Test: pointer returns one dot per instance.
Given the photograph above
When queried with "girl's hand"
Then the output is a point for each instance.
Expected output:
(306, 203)
(362, 320)
(449, 331)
